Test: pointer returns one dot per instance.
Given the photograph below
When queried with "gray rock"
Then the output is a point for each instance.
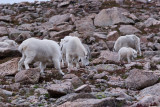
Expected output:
(128, 29)
(59, 19)
(152, 90)
(111, 16)
(85, 25)
(57, 90)
(3, 31)
(138, 79)
(9, 68)
(28, 76)
(151, 22)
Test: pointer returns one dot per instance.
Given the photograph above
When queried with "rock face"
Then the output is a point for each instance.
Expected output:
(9, 68)
(111, 16)
(57, 90)
(28, 76)
(140, 79)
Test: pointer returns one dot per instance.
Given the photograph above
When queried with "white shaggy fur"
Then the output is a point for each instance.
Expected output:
(128, 41)
(43, 51)
(63, 47)
(74, 51)
(127, 53)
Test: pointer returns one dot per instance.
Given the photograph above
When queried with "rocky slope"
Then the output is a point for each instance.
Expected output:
(105, 82)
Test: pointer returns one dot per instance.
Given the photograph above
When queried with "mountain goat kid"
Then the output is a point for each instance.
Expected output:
(128, 41)
(127, 53)
(43, 51)
(74, 51)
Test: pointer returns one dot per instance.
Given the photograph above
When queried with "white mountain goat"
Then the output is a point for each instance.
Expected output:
(74, 51)
(43, 51)
(127, 53)
(128, 41)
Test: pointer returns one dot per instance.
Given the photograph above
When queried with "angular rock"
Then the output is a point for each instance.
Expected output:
(112, 36)
(151, 22)
(28, 76)
(106, 56)
(128, 29)
(111, 16)
(83, 88)
(152, 90)
(138, 79)
(59, 19)
(148, 100)
(3, 31)
(85, 25)
(58, 90)
(9, 68)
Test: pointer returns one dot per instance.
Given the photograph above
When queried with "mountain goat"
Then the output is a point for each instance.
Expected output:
(74, 51)
(127, 53)
(40, 50)
(128, 41)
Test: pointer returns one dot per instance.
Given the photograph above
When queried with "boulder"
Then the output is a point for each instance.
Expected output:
(111, 16)
(85, 25)
(152, 90)
(59, 19)
(28, 76)
(139, 79)
(9, 68)
(128, 29)
(148, 100)
(58, 90)
(151, 22)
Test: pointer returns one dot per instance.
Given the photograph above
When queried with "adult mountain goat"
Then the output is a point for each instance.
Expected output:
(128, 41)
(43, 51)
(74, 51)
